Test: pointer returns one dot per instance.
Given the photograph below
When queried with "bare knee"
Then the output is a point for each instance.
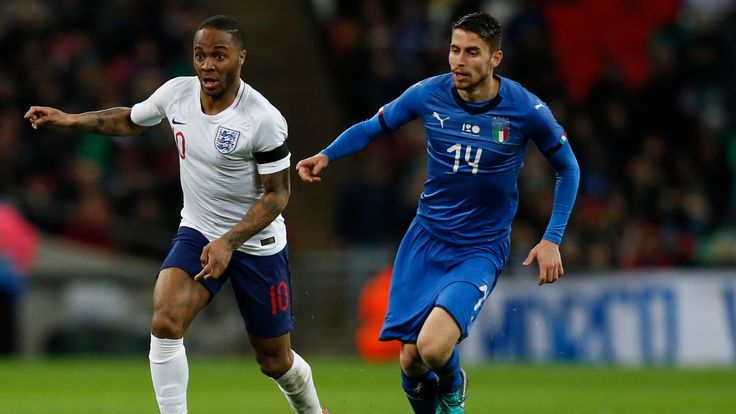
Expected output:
(435, 353)
(275, 364)
(176, 301)
(411, 362)
(437, 338)
(164, 325)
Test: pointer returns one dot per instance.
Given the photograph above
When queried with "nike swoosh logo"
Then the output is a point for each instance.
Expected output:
(175, 122)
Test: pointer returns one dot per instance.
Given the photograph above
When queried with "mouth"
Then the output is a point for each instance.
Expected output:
(209, 82)
(460, 76)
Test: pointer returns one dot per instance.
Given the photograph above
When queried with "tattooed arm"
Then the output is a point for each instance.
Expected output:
(216, 255)
(113, 121)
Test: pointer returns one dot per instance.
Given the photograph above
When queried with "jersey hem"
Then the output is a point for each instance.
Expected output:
(493, 238)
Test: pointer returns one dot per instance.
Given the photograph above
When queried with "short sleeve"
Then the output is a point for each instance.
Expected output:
(402, 109)
(269, 148)
(151, 111)
(544, 129)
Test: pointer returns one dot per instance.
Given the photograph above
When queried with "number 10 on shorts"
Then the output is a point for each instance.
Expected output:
(279, 298)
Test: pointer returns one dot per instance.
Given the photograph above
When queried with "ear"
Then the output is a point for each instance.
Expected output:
(241, 57)
(496, 58)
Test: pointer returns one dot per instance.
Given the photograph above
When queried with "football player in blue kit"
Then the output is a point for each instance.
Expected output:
(478, 126)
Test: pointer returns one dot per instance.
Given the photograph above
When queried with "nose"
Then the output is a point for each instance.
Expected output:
(207, 64)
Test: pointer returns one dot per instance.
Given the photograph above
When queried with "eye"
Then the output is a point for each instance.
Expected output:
(220, 57)
(199, 56)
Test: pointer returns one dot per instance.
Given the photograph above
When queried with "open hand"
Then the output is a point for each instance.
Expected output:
(548, 256)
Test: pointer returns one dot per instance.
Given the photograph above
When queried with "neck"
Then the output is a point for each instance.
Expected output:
(213, 105)
(483, 91)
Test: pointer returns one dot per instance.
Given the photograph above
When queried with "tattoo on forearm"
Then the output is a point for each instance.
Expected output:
(272, 206)
(99, 125)
(264, 211)
(235, 239)
(113, 121)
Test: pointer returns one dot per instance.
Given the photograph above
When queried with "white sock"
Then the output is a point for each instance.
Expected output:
(298, 387)
(170, 374)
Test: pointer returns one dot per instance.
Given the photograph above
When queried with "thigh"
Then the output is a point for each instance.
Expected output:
(262, 286)
(470, 280)
(440, 331)
(184, 254)
(177, 299)
(415, 283)
(461, 303)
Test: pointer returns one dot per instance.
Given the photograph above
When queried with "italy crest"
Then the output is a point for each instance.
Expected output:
(500, 130)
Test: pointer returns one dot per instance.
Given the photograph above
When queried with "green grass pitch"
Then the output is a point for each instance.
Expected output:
(117, 386)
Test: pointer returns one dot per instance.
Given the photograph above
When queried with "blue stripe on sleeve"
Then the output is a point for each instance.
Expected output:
(566, 187)
(354, 138)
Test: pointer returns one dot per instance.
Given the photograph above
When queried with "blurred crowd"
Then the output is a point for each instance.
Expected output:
(649, 112)
(646, 91)
(78, 56)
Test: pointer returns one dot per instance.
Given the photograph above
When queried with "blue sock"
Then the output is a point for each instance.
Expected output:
(448, 376)
(421, 392)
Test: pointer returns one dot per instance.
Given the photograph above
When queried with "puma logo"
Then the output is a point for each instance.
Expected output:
(484, 290)
(439, 118)
(539, 105)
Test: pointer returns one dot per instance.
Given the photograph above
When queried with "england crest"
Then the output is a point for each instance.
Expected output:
(501, 130)
(226, 140)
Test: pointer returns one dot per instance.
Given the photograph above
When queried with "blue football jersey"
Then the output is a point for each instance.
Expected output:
(475, 153)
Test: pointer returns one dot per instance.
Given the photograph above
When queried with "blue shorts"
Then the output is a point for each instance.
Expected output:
(429, 272)
(262, 284)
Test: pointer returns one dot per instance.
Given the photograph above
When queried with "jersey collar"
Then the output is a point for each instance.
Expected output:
(475, 109)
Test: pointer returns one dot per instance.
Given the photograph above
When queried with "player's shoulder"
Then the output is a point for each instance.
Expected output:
(523, 100)
(434, 82)
(256, 102)
(428, 89)
(511, 89)
(181, 83)
(258, 108)
(168, 96)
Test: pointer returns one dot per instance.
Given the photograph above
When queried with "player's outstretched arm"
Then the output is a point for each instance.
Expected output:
(113, 121)
(350, 141)
(309, 168)
(547, 255)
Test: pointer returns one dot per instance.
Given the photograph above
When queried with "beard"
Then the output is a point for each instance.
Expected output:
(469, 86)
(225, 84)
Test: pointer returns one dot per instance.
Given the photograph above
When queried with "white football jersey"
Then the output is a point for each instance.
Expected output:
(217, 157)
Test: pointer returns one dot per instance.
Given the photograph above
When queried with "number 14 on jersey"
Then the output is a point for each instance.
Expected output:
(458, 148)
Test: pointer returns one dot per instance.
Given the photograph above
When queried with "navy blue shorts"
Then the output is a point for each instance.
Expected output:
(262, 284)
(429, 272)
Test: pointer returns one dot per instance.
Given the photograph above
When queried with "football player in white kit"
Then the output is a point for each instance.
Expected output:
(234, 168)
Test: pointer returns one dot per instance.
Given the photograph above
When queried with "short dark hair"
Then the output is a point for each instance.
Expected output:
(484, 25)
(226, 24)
